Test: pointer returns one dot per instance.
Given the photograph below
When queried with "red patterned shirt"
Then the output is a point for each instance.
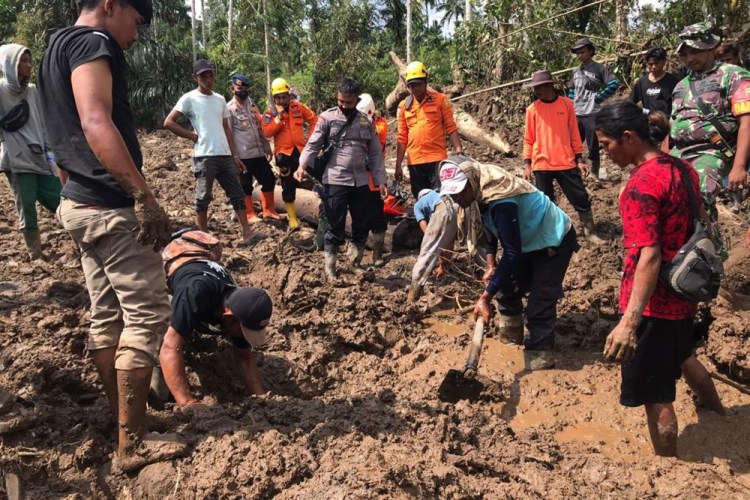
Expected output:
(655, 211)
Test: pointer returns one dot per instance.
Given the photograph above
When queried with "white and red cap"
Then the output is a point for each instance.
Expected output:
(452, 179)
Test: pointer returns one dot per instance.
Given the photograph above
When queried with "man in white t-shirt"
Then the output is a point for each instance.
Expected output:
(214, 154)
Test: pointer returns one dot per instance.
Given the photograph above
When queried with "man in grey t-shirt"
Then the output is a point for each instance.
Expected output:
(589, 86)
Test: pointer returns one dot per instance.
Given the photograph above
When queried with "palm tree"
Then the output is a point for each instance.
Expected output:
(454, 11)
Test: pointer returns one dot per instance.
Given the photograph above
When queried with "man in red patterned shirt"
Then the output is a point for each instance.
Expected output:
(654, 337)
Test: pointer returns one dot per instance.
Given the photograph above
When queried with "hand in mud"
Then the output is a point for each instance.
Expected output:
(195, 409)
(399, 173)
(153, 223)
(482, 308)
(620, 344)
(488, 274)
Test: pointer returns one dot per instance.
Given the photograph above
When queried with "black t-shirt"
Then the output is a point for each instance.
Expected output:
(198, 291)
(69, 48)
(655, 96)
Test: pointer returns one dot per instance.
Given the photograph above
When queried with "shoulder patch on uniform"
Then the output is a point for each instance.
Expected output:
(267, 118)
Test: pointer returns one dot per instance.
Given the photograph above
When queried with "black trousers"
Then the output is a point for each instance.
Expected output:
(424, 176)
(339, 201)
(378, 222)
(540, 274)
(287, 165)
(587, 129)
(570, 182)
(260, 169)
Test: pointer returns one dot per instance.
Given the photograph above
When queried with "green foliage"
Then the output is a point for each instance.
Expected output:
(314, 43)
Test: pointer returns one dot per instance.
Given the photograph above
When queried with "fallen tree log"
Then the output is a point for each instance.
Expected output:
(400, 233)
(469, 128)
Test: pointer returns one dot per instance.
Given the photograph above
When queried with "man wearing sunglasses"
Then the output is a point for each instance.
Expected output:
(425, 117)
(31, 175)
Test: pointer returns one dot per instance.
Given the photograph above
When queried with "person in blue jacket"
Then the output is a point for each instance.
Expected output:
(537, 238)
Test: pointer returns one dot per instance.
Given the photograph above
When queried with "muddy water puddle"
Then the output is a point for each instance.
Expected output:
(565, 400)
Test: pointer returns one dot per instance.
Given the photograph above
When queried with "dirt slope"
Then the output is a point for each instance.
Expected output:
(353, 376)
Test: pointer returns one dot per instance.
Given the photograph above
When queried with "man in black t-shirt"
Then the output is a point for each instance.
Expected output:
(110, 212)
(207, 300)
(654, 90)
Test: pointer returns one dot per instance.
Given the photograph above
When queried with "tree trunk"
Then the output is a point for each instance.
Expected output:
(192, 29)
(268, 55)
(408, 31)
(230, 23)
(203, 24)
(467, 11)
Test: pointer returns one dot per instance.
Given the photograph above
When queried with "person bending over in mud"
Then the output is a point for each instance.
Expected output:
(436, 216)
(653, 340)
(538, 240)
(207, 300)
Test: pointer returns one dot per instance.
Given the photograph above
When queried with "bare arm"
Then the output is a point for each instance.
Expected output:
(456, 142)
(738, 175)
(247, 370)
(621, 342)
(230, 140)
(173, 366)
(170, 123)
(92, 89)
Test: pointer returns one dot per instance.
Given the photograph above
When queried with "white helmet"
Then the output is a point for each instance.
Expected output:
(366, 105)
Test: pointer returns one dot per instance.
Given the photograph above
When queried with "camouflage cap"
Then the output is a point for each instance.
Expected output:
(698, 36)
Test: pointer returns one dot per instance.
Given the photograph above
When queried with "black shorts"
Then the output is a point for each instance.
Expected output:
(651, 376)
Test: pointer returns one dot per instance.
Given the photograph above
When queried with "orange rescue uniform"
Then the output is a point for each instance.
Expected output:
(287, 129)
(422, 126)
(551, 139)
(381, 127)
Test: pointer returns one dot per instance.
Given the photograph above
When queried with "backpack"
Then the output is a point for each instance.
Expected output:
(695, 272)
(188, 245)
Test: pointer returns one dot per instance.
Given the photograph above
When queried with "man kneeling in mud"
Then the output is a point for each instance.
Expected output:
(207, 300)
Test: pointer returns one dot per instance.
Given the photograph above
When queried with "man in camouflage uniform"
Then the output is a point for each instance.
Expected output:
(725, 89)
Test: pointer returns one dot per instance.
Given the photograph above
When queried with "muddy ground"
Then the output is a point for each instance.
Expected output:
(352, 375)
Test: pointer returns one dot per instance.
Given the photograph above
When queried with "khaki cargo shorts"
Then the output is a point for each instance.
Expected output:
(130, 308)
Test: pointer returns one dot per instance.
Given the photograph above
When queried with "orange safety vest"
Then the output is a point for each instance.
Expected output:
(381, 127)
(287, 129)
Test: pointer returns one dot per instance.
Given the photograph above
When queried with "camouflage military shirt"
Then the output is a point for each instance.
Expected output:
(724, 88)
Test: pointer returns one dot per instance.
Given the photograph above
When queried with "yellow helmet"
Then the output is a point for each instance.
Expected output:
(279, 86)
(415, 70)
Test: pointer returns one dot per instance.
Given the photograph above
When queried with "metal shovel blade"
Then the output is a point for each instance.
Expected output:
(456, 387)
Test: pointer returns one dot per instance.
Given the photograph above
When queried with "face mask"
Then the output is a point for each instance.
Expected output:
(242, 94)
(348, 111)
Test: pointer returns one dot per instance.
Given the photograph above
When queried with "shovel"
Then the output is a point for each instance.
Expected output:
(462, 384)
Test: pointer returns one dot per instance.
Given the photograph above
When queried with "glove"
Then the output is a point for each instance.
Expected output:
(153, 223)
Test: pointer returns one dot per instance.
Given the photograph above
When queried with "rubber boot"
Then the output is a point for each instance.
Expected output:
(510, 328)
(356, 252)
(319, 240)
(250, 210)
(595, 167)
(158, 388)
(33, 243)
(378, 242)
(538, 360)
(291, 213)
(269, 210)
(587, 221)
(330, 268)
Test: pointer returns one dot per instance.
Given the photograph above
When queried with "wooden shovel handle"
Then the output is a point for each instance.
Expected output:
(472, 364)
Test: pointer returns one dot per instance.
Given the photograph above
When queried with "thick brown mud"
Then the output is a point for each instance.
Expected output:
(352, 373)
